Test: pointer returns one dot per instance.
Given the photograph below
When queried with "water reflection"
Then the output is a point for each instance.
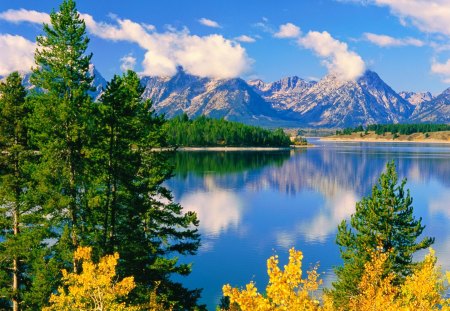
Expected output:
(217, 210)
(251, 204)
(338, 207)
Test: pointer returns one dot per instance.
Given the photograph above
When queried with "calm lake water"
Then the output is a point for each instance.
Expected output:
(252, 205)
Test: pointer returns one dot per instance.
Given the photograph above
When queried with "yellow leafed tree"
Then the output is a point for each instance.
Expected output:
(95, 288)
(286, 289)
(376, 291)
(424, 289)
(421, 291)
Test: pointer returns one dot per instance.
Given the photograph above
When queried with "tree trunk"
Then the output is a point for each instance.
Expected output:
(15, 270)
(15, 299)
(73, 216)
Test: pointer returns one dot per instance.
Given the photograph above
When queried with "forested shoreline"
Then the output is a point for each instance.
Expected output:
(209, 132)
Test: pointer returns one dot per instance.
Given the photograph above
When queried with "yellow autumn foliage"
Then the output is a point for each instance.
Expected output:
(375, 291)
(95, 288)
(286, 289)
(423, 290)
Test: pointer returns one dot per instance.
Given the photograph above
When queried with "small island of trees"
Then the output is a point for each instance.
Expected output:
(209, 132)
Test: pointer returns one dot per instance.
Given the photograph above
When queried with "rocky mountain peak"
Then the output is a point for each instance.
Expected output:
(416, 98)
(291, 101)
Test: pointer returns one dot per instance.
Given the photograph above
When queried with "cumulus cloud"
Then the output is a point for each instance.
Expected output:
(287, 30)
(430, 16)
(339, 60)
(427, 15)
(128, 62)
(388, 41)
(22, 15)
(17, 54)
(208, 22)
(442, 69)
(207, 56)
(245, 38)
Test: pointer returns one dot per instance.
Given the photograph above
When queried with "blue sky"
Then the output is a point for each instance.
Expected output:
(407, 42)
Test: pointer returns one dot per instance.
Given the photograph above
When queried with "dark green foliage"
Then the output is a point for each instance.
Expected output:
(402, 129)
(137, 216)
(407, 129)
(21, 222)
(62, 118)
(208, 132)
(384, 220)
(77, 173)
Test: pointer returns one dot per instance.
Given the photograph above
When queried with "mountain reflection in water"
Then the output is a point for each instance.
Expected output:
(252, 204)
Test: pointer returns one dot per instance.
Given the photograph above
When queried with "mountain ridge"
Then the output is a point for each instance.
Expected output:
(290, 101)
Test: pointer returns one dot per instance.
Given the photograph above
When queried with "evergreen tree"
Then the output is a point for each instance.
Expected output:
(139, 219)
(383, 221)
(20, 220)
(61, 118)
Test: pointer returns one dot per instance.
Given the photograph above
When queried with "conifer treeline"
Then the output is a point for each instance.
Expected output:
(208, 132)
(403, 129)
(75, 172)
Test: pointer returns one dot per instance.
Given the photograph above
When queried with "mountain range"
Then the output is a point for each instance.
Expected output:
(295, 102)
(291, 101)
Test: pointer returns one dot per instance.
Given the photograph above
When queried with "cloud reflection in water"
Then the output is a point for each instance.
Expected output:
(217, 210)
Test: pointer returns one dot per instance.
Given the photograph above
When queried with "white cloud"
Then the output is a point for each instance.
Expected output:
(208, 56)
(387, 41)
(264, 25)
(128, 62)
(22, 15)
(344, 63)
(430, 16)
(17, 54)
(245, 38)
(427, 15)
(288, 30)
(442, 69)
(208, 22)
(148, 27)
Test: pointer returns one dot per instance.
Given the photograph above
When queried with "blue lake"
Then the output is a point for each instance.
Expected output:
(252, 205)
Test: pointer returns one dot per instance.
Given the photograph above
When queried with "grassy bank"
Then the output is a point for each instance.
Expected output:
(371, 136)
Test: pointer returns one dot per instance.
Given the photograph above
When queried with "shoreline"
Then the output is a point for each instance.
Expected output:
(385, 140)
(242, 148)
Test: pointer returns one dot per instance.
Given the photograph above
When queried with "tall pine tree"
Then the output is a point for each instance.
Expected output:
(21, 221)
(62, 112)
(139, 219)
(383, 221)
